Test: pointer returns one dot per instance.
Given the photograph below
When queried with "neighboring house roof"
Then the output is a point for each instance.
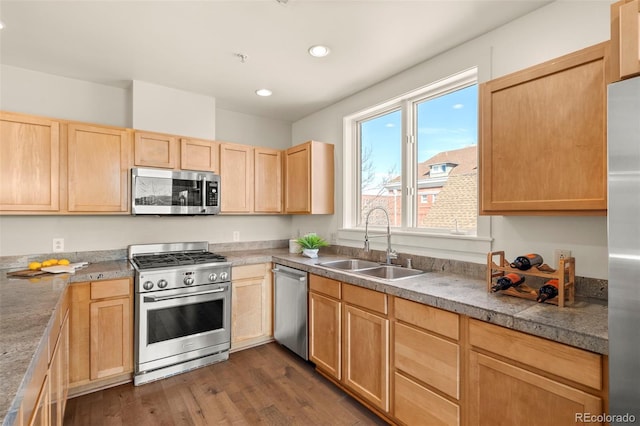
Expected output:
(463, 160)
(457, 201)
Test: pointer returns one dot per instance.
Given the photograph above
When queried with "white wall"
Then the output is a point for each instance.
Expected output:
(167, 110)
(556, 29)
(48, 95)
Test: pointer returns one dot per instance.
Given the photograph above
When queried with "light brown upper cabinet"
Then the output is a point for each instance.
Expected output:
(625, 39)
(196, 154)
(268, 180)
(156, 150)
(29, 163)
(543, 138)
(98, 168)
(236, 178)
(309, 179)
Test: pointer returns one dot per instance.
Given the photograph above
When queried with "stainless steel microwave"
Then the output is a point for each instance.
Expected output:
(170, 192)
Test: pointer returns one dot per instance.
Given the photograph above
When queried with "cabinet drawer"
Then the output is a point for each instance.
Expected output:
(369, 299)
(325, 286)
(431, 319)
(109, 288)
(248, 271)
(428, 358)
(417, 405)
(561, 360)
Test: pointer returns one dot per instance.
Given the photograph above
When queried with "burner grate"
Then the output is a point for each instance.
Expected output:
(162, 260)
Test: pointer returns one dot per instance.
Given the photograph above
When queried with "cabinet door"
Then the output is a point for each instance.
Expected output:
(502, 394)
(268, 180)
(414, 404)
(59, 374)
(543, 138)
(251, 302)
(199, 155)
(111, 348)
(325, 335)
(98, 161)
(155, 150)
(236, 178)
(630, 39)
(297, 197)
(29, 163)
(79, 333)
(41, 413)
(366, 355)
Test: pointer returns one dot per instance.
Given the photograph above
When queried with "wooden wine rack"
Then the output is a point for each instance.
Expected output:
(565, 274)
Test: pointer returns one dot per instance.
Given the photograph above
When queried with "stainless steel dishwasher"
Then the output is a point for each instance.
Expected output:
(290, 306)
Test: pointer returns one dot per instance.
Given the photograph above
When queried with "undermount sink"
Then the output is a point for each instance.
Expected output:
(350, 264)
(372, 269)
(391, 272)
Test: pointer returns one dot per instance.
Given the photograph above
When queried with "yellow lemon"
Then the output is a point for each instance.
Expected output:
(46, 263)
(35, 265)
(63, 262)
(53, 261)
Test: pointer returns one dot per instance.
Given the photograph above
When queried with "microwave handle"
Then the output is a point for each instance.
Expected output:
(203, 202)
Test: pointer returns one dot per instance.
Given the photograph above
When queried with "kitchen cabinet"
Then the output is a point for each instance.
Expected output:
(45, 394)
(325, 325)
(251, 306)
(543, 138)
(515, 378)
(29, 163)
(98, 169)
(366, 345)
(268, 180)
(155, 150)
(309, 179)
(426, 362)
(625, 39)
(236, 178)
(197, 154)
(101, 334)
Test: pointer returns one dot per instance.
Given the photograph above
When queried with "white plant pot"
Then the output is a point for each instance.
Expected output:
(312, 253)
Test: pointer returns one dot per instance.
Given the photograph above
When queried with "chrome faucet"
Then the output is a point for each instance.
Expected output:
(391, 254)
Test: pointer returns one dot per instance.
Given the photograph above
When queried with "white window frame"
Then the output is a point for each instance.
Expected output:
(406, 239)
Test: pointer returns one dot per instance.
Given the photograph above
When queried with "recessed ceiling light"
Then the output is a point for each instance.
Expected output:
(318, 51)
(263, 92)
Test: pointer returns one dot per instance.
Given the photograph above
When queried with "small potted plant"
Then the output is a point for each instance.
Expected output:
(310, 244)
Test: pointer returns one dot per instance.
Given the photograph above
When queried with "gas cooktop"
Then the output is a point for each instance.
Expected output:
(150, 256)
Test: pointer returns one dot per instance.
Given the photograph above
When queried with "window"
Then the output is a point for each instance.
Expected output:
(417, 158)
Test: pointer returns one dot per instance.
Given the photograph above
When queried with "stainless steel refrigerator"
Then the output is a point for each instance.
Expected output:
(624, 247)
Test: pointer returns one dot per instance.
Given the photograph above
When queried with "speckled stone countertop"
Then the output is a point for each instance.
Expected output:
(26, 315)
(26, 308)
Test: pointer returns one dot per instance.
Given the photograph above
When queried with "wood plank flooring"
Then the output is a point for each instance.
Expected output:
(265, 385)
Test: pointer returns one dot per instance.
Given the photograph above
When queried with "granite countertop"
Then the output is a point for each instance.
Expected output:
(27, 305)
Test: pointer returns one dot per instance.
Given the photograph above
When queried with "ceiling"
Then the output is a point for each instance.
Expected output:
(193, 45)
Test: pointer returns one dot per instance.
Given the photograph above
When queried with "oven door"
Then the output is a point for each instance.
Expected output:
(178, 325)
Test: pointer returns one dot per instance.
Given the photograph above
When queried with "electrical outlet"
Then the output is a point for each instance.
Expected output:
(58, 245)
(236, 235)
(561, 254)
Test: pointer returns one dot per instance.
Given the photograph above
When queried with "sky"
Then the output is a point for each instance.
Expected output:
(444, 123)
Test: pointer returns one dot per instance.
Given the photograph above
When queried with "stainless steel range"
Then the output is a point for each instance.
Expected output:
(182, 308)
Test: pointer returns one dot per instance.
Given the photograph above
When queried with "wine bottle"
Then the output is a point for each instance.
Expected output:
(509, 280)
(548, 291)
(527, 261)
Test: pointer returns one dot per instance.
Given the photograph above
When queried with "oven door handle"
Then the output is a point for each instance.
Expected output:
(160, 299)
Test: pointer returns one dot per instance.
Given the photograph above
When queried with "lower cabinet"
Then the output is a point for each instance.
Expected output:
(45, 395)
(251, 305)
(101, 334)
(414, 364)
(325, 325)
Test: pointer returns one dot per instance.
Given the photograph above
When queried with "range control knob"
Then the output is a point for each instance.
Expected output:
(163, 283)
(148, 285)
(188, 280)
(213, 276)
(224, 276)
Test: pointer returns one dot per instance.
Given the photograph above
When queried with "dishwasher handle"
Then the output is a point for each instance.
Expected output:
(289, 274)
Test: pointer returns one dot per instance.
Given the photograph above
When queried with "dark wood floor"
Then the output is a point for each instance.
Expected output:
(263, 385)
